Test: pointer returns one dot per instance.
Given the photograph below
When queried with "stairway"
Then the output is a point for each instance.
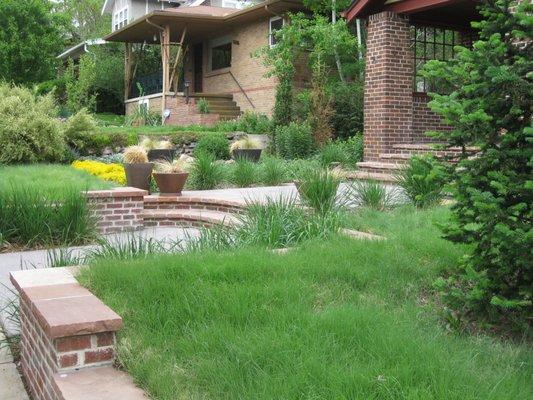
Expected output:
(221, 104)
(189, 211)
(388, 164)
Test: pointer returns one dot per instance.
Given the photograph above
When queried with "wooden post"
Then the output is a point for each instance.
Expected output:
(165, 50)
(177, 62)
(128, 54)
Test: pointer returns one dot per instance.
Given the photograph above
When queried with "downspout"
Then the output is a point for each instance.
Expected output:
(359, 38)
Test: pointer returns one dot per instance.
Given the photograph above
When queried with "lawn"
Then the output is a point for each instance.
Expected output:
(336, 319)
(53, 178)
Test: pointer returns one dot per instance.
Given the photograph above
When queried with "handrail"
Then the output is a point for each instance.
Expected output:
(242, 90)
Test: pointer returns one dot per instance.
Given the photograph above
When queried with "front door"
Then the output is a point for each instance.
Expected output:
(198, 67)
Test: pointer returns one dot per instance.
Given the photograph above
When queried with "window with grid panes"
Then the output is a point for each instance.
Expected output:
(431, 43)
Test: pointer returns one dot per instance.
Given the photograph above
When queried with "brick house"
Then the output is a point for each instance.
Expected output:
(402, 35)
(206, 52)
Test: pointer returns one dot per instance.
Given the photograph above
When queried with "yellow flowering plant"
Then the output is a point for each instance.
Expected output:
(108, 172)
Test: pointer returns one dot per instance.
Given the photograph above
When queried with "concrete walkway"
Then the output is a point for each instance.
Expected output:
(11, 387)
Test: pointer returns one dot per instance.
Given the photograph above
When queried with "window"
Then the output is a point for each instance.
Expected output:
(431, 43)
(220, 53)
(120, 14)
(276, 23)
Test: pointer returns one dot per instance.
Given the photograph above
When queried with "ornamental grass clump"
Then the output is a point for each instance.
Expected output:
(135, 155)
(272, 171)
(206, 173)
(318, 190)
(36, 218)
(370, 194)
(244, 173)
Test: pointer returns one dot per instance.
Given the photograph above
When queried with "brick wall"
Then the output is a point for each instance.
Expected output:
(425, 120)
(388, 102)
(117, 210)
(64, 328)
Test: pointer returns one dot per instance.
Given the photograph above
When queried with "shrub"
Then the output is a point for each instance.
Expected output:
(347, 118)
(108, 172)
(318, 190)
(216, 144)
(422, 180)
(254, 123)
(282, 113)
(272, 171)
(353, 148)
(30, 217)
(206, 173)
(203, 106)
(78, 131)
(29, 129)
(371, 194)
(333, 152)
(294, 141)
(244, 173)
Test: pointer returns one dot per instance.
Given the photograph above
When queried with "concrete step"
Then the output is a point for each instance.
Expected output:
(208, 96)
(375, 176)
(191, 217)
(377, 165)
(219, 109)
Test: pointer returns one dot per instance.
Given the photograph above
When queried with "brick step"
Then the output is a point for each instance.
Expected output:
(401, 158)
(221, 102)
(158, 202)
(220, 108)
(374, 176)
(431, 147)
(209, 96)
(377, 165)
(188, 218)
(375, 170)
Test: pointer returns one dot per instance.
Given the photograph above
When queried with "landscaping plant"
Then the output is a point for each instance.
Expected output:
(294, 141)
(244, 173)
(216, 144)
(206, 173)
(107, 171)
(318, 190)
(272, 171)
(371, 194)
(203, 106)
(422, 180)
(79, 131)
(489, 107)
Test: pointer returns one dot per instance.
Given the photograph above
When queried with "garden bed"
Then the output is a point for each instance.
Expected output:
(337, 319)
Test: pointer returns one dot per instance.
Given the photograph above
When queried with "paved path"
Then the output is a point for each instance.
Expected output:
(11, 387)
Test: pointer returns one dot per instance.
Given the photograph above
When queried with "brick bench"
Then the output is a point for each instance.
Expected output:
(67, 336)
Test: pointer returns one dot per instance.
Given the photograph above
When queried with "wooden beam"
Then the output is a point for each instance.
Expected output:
(128, 54)
(175, 74)
(165, 49)
(411, 6)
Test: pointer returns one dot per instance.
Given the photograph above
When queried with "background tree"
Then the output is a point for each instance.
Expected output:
(490, 107)
(30, 39)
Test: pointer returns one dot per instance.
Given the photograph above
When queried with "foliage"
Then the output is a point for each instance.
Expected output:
(245, 143)
(135, 155)
(30, 217)
(371, 194)
(347, 103)
(272, 171)
(294, 141)
(249, 122)
(318, 190)
(333, 319)
(282, 113)
(203, 106)
(331, 152)
(206, 173)
(489, 107)
(320, 105)
(244, 173)
(107, 172)
(78, 130)
(422, 180)
(79, 84)
(30, 40)
(144, 116)
(216, 144)
(29, 129)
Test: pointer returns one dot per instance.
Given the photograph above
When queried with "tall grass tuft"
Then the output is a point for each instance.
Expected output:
(273, 171)
(244, 173)
(206, 173)
(422, 180)
(131, 247)
(318, 190)
(370, 194)
(31, 218)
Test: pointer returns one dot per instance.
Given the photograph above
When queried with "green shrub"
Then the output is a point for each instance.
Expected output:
(422, 180)
(332, 152)
(318, 190)
(353, 148)
(30, 217)
(282, 113)
(272, 171)
(347, 118)
(216, 144)
(203, 106)
(294, 141)
(370, 194)
(29, 129)
(254, 123)
(244, 173)
(206, 173)
(78, 131)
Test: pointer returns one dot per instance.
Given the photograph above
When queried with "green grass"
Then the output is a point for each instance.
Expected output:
(109, 119)
(333, 319)
(52, 178)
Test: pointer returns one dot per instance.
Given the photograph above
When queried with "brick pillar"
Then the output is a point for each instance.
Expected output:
(388, 102)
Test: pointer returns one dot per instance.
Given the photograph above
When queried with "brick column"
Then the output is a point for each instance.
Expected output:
(388, 102)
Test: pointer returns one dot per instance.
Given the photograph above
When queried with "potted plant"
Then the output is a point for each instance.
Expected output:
(247, 148)
(170, 177)
(161, 150)
(138, 169)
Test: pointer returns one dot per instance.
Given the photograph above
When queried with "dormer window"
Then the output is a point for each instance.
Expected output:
(120, 14)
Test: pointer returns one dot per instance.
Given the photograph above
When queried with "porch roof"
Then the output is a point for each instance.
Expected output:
(439, 12)
(202, 22)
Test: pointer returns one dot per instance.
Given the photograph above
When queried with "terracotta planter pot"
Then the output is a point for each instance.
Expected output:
(170, 183)
(139, 175)
(161, 154)
(247, 154)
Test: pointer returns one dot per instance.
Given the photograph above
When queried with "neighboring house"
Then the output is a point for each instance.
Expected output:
(402, 35)
(75, 52)
(216, 62)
